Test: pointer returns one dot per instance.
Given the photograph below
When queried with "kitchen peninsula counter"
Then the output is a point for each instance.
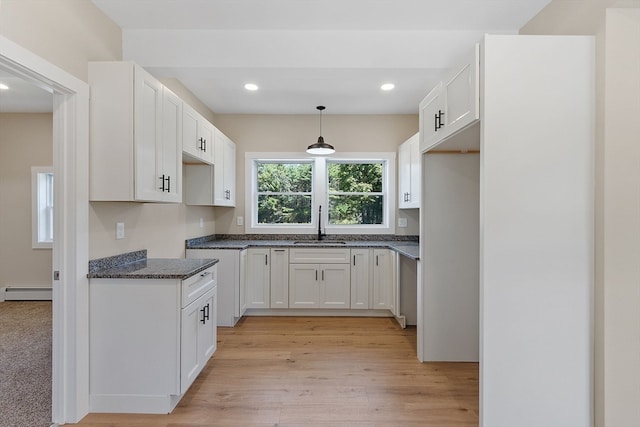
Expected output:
(136, 265)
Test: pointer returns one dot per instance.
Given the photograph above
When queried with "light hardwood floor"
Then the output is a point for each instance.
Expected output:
(313, 371)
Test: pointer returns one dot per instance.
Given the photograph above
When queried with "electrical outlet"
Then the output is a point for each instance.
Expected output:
(402, 222)
(239, 220)
(119, 230)
(201, 223)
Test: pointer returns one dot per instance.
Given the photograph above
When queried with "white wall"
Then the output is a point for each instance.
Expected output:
(293, 133)
(25, 140)
(67, 33)
(621, 245)
(536, 243)
(616, 287)
(450, 258)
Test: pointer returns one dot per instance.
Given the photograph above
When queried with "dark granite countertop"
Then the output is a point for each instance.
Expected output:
(136, 265)
(408, 248)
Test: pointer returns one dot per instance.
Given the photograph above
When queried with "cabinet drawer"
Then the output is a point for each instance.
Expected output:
(319, 255)
(196, 285)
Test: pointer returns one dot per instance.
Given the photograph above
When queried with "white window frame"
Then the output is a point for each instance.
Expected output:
(320, 194)
(42, 197)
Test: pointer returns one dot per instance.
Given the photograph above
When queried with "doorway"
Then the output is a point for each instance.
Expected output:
(26, 234)
(70, 247)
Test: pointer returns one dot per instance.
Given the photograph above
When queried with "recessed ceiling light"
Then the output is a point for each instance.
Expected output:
(387, 86)
(251, 86)
(3, 86)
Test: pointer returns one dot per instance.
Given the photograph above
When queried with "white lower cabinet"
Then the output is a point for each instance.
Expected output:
(149, 339)
(319, 286)
(279, 278)
(257, 278)
(262, 278)
(319, 278)
(360, 278)
(383, 280)
(198, 337)
(304, 290)
(231, 292)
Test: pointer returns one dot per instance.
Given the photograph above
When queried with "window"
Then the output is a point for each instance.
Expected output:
(354, 192)
(42, 205)
(284, 192)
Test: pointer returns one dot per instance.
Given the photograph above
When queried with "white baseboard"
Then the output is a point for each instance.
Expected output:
(18, 293)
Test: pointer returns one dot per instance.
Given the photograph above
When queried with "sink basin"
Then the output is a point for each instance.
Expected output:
(320, 242)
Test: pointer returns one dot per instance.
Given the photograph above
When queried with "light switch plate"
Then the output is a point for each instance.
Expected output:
(402, 222)
(239, 220)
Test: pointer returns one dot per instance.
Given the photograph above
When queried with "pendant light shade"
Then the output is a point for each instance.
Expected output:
(320, 148)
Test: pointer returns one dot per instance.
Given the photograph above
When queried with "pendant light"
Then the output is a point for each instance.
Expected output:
(320, 148)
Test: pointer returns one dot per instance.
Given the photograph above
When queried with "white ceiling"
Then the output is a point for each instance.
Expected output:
(22, 96)
(304, 53)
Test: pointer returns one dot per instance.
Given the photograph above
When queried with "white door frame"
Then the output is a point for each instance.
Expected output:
(70, 370)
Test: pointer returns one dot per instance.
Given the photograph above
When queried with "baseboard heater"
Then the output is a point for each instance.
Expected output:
(17, 293)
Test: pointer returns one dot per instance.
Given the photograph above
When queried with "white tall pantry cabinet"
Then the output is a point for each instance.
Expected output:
(530, 242)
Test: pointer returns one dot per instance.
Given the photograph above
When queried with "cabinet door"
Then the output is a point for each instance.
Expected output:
(335, 286)
(360, 276)
(430, 109)
(304, 281)
(147, 140)
(225, 170)
(404, 174)
(170, 158)
(415, 174)
(383, 279)
(230, 172)
(206, 140)
(461, 94)
(257, 278)
(190, 143)
(189, 364)
(207, 330)
(242, 300)
(409, 173)
(198, 337)
(279, 278)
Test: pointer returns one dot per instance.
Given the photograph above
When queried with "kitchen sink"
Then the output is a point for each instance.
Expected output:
(320, 242)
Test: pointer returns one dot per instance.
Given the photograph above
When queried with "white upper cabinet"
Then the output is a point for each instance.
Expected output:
(169, 160)
(430, 112)
(409, 173)
(135, 136)
(208, 185)
(452, 104)
(224, 188)
(197, 137)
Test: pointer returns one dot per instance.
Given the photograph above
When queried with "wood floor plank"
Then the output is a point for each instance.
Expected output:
(315, 371)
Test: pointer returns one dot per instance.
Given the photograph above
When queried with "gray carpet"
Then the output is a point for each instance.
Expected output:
(25, 364)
